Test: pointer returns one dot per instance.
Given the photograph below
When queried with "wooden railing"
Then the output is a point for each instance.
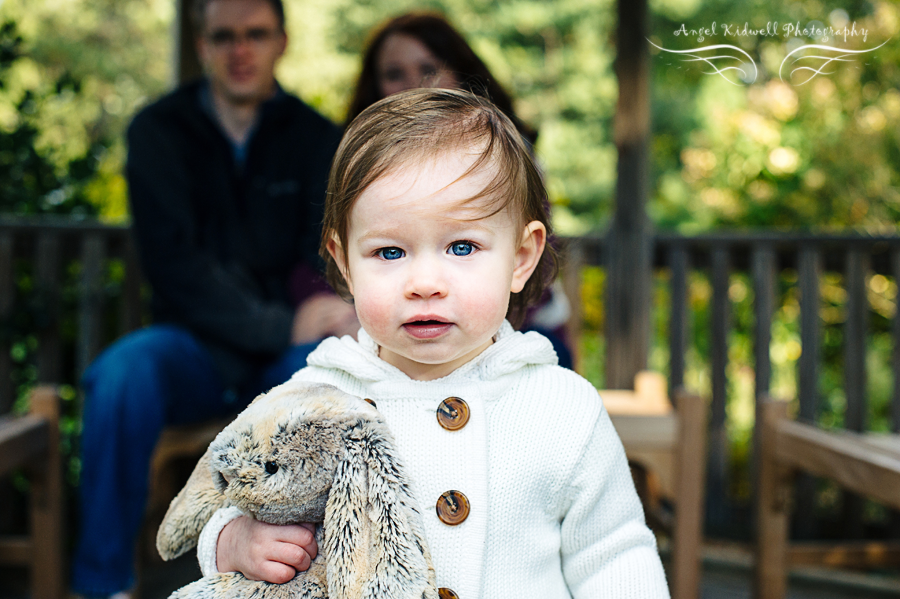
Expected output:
(75, 286)
(71, 286)
(766, 258)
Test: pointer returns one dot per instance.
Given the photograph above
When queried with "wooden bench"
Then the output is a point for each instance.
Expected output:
(31, 443)
(85, 289)
(670, 447)
(176, 444)
(860, 463)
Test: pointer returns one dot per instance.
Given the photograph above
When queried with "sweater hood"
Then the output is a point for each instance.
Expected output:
(510, 352)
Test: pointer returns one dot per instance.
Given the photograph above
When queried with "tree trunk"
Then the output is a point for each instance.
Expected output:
(187, 63)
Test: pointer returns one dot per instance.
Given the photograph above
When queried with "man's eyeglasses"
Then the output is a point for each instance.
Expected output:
(229, 38)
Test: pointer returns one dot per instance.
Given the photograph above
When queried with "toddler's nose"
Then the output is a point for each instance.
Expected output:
(426, 280)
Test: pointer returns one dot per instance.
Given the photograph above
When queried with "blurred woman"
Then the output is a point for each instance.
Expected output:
(423, 50)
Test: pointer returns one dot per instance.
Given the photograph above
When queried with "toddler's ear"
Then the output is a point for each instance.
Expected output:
(528, 254)
(334, 247)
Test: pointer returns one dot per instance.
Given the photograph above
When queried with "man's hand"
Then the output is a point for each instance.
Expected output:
(263, 551)
(323, 315)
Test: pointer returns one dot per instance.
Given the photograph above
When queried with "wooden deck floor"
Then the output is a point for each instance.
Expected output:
(725, 576)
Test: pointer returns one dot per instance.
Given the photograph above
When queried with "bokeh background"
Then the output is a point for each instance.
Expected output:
(776, 154)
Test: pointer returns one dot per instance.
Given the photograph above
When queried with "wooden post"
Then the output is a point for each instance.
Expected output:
(7, 391)
(187, 63)
(764, 283)
(688, 533)
(91, 301)
(764, 289)
(47, 276)
(772, 509)
(679, 325)
(720, 324)
(7, 297)
(47, 579)
(855, 334)
(628, 240)
(810, 272)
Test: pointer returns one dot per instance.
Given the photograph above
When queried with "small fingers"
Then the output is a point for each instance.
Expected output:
(275, 572)
(302, 536)
(294, 556)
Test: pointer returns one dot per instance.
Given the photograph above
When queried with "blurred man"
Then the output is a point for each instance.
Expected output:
(227, 179)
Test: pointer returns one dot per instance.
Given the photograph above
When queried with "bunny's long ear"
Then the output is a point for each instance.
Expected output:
(374, 545)
(189, 512)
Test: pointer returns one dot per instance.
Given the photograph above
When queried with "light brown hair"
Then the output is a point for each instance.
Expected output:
(424, 123)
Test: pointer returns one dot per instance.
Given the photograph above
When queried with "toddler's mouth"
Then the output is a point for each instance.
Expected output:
(427, 328)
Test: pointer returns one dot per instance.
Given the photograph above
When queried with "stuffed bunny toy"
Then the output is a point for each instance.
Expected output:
(310, 453)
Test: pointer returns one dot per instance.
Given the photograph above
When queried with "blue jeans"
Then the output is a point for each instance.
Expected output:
(157, 376)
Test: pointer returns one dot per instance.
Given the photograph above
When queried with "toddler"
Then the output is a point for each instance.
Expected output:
(436, 227)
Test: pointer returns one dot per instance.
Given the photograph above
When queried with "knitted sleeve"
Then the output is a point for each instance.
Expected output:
(209, 538)
(607, 549)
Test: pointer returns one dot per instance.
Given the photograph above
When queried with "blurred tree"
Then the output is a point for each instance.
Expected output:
(32, 179)
(790, 150)
(87, 66)
(819, 155)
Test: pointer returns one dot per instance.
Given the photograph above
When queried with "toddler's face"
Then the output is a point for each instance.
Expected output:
(430, 273)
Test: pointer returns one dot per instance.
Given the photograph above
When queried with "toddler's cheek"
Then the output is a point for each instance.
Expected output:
(374, 314)
(486, 309)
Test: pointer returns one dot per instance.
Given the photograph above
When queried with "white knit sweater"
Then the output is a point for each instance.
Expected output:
(554, 513)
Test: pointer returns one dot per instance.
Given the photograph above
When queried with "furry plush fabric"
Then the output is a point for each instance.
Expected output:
(310, 453)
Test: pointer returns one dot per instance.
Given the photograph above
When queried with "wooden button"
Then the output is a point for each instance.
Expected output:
(453, 413)
(452, 508)
(445, 593)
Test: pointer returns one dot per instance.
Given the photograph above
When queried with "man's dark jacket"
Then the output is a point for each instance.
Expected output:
(218, 242)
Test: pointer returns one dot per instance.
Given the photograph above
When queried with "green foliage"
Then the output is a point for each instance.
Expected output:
(71, 83)
(31, 179)
(795, 153)
(820, 155)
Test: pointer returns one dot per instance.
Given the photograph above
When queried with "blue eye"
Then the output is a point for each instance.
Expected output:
(390, 253)
(462, 248)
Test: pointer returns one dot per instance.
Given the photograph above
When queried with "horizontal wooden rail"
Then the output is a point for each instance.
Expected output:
(853, 555)
(16, 551)
(699, 249)
(21, 440)
(844, 457)
(650, 432)
(850, 459)
(782, 268)
(77, 286)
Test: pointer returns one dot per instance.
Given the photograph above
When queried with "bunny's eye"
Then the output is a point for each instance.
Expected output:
(271, 467)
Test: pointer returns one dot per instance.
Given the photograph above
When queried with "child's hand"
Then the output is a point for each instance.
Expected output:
(263, 551)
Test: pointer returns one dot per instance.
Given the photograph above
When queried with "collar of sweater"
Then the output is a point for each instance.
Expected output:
(510, 352)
